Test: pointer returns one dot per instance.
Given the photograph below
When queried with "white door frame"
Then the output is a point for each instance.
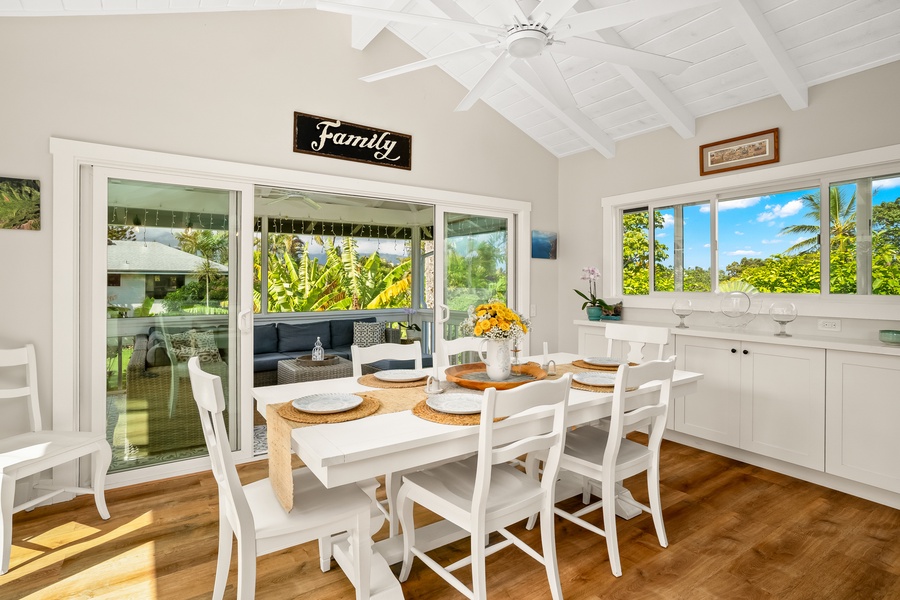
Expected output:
(69, 156)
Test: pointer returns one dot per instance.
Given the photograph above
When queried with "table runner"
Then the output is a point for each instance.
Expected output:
(279, 436)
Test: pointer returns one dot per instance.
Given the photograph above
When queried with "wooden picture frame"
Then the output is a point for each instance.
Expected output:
(760, 148)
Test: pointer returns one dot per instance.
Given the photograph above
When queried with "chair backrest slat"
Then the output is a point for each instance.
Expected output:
(210, 398)
(653, 408)
(24, 360)
(512, 403)
(633, 339)
(369, 354)
(458, 346)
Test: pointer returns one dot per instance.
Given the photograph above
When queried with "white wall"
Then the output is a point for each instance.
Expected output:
(848, 115)
(225, 86)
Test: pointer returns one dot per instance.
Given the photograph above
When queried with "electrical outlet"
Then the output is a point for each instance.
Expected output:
(533, 311)
(829, 324)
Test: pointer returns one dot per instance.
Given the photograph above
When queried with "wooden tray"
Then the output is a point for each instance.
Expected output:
(307, 361)
(461, 375)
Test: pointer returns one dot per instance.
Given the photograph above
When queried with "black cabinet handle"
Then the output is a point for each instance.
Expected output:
(746, 352)
(734, 350)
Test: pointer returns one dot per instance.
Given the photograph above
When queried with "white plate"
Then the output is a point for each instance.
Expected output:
(456, 404)
(323, 404)
(400, 375)
(595, 378)
(603, 361)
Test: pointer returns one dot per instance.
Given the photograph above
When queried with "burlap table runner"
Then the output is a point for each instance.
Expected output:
(279, 433)
(372, 381)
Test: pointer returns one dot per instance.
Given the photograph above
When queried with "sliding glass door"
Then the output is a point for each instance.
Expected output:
(476, 263)
(168, 284)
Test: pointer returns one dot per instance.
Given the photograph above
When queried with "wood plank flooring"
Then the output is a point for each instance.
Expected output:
(735, 531)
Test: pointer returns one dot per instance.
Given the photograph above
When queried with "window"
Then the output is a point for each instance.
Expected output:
(771, 239)
(113, 280)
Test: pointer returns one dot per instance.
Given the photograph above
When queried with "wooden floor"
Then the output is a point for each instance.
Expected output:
(735, 531)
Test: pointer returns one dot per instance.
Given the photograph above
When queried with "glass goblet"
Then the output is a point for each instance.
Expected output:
(682, 309)
(783, 313)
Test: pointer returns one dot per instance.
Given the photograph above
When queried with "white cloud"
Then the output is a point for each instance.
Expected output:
(706, 245)
(733, 204)
(660, 236)
(743, 253)
(772, 241)
(780, 211)
(738, 233)
(668, 220)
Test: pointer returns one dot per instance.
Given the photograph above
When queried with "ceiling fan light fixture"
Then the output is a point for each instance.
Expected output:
(526, 41)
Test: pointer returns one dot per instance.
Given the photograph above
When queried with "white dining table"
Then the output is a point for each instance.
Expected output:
(353, 451)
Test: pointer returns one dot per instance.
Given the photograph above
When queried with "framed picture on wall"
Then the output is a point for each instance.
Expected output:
(752, 150)
(20, 204)
(543, 244)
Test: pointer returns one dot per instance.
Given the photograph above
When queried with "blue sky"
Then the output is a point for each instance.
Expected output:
(751, 227)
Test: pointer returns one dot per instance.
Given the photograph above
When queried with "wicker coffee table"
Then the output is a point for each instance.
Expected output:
(290, 371)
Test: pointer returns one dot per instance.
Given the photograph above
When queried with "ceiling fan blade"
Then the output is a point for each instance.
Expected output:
(621, 14)
(403, 17)
(491, 75)
(550, 75)
(434, 60)
(629, 57)
(550, 12)
(511, 7)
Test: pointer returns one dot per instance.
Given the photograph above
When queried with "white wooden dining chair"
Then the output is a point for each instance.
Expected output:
(364, 355)
(484, 493)
(607, 457)
(634, 338)
(452, 348)
(27, 454)
(253, 515)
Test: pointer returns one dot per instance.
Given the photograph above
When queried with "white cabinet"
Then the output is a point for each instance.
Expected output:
(863, 412)
(764, 398)
(713, 412)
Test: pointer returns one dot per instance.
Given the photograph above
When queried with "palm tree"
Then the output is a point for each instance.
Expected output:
(842, 217)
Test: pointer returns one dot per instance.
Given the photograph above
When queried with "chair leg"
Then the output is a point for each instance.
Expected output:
(531, 469)
(325, 553)
(246, 589)
(479, 578)
(7, 496)
(102, 459)
(548, 546)
(609, 526)
(656, 503)
(405, 512)
(223, 562)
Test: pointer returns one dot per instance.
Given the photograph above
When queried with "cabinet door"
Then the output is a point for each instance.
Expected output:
(863, 410)
(783, 403)
(713, 412)
(592, 341)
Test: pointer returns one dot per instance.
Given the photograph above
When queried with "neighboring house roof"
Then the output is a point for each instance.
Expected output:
(152, 257)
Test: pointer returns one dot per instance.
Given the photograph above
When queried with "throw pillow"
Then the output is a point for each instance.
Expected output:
(193, 343)
(368, 334)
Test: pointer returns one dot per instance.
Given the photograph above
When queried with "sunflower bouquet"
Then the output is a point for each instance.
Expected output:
(494, 321)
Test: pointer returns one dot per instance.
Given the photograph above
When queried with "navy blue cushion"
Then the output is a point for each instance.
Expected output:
(387, 364)
(342, 331)
(267, 362)
(265, 339)
(302, 336)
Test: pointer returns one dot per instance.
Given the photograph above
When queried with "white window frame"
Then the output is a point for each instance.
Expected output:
(822, 172)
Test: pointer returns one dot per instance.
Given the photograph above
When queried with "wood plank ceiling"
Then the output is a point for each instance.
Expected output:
(740, 51)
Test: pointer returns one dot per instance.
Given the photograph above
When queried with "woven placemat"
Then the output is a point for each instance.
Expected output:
(423, 411)
(369, 406)
(597, 388)
(372, 381)
(584, 365)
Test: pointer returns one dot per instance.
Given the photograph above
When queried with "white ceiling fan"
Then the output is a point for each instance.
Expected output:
(533, 37)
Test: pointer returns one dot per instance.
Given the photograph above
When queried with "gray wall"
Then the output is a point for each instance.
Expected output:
(225, 86)
(855, 113)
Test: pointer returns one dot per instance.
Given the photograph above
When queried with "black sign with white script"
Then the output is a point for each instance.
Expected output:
(349, 141)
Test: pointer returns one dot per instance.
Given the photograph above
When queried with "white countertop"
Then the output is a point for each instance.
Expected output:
(830, 342)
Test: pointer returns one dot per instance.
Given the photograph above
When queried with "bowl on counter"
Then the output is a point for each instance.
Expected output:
(890, 336)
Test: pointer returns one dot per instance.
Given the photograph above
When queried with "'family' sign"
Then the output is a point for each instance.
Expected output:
(340, 139)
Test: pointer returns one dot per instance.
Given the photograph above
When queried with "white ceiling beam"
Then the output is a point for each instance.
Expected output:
(522, 75)
(652, 89)
(363, 30)
(757, 33)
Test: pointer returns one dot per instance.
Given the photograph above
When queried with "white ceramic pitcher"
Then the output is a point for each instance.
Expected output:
(495, 354)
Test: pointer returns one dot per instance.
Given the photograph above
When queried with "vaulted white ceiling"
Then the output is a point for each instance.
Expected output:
(739, 51)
